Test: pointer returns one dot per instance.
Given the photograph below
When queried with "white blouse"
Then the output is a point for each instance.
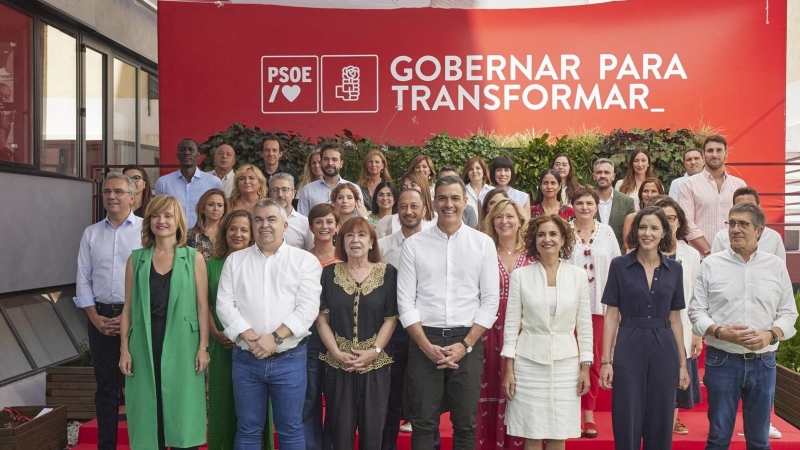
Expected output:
(602, 247)
(518, 196)
(476, 198)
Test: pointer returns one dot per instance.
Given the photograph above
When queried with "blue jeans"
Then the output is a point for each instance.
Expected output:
(281, 380)
(312, 407)
(728, 379)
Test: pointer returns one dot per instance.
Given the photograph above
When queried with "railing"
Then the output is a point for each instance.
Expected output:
(97, 172)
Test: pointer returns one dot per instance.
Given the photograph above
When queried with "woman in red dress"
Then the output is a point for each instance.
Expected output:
(505, 223)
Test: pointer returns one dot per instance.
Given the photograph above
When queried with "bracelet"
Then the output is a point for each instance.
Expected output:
(607, 363)
(716, 333)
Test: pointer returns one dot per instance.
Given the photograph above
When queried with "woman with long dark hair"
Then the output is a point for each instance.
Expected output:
(144, 190)
(640, 167)
(548, 197)
(562, 164)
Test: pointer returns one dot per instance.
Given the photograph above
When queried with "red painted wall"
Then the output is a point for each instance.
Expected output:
(731, 75)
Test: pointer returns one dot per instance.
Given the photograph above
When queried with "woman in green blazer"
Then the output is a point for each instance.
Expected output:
(166, 340)
(235, 233)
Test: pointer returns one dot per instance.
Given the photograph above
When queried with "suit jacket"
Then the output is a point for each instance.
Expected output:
(543, 339)
(621, 206)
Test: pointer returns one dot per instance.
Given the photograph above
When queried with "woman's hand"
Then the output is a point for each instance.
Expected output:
(201, 360)
(684, 379)
(345, 359)
(583, 381)
(606, 376)
(509, 384)
(126, 363)
(363, 359)
(222, 339)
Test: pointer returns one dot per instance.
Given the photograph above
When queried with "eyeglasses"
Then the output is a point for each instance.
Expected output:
(672, 219)
(136, 178)
(742, 225)
(115, 191)
(283, 190)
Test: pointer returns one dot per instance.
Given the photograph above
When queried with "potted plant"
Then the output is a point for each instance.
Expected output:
(787, 384)
(73, 385)
(20, 429)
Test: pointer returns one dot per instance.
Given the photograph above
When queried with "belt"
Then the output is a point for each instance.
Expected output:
(750, 355)
(277, 355)
(446, 332)
(106, 308)
(644, 322)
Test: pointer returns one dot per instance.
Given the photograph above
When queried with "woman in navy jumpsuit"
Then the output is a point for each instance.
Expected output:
(644, 295)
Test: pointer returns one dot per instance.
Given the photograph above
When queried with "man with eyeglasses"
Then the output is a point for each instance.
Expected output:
(770, 240)
(100, 291)
(743, 305)
(281, 189)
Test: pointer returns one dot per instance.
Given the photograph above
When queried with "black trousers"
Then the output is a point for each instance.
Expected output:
(110, 381)
(430, 388)
(356, 400)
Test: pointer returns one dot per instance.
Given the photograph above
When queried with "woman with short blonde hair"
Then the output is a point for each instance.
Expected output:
(249, 186)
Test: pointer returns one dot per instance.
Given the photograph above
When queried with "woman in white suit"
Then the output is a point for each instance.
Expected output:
(547, 368)
(693, 345)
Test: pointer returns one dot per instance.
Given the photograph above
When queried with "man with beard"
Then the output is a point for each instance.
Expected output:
(224, 160)
(187, 184)
(271, 154)
(693, 163)
(707, 197)
(281, 189)
(614, 206)
(316, 192)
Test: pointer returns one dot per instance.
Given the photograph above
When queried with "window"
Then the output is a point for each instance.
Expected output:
(14, 360)
(40, 329)
(15, 87)
(60, 102)
(93, 91)
(123, 151)
(148, 122)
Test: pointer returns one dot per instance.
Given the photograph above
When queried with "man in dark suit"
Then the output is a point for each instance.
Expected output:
(614, 205)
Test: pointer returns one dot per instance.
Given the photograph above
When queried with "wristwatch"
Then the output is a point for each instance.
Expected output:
(278, 338)
(204, 348)
(774, 338)
(466, 346)
(586, 363)
(377, 349)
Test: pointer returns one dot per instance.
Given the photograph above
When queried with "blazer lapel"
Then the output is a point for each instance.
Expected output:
(544, 310)
(615, 208)
(142, 284)
(179, 271)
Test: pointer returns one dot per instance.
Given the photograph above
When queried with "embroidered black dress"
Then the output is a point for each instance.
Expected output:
(356, 312)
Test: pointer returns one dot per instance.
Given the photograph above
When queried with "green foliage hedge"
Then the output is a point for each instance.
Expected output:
(534, 155)
(789, 350)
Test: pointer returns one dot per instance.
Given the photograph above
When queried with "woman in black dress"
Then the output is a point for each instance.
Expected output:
(646, 289)
(358, 313)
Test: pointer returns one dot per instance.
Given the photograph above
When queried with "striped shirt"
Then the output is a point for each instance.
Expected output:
(705, 206)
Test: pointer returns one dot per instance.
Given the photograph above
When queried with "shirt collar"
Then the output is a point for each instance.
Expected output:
(341, 180)
(278, 251)
(441, 233)
(630, 259)
(197, 173)
(738, 258)
(708, 176)
(130, 219)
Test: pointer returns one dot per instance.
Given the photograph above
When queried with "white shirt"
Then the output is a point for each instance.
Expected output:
(604, 207)
(520, 197)
(227, 181)
(603, 247)
(391, 248)
(102, 257)
(705, 206)
(262, 293)
(448, 282)
(769, 242)
(476, 198)
(675, 186)
(317, 192)
(298, 234)
(389, 225)
(757, 293)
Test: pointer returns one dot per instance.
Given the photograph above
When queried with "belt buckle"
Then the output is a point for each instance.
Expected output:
(446, 332)
(750, 355)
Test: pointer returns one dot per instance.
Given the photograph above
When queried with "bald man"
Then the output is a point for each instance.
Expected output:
(224, 160)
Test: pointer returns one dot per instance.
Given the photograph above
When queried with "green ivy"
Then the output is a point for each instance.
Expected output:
(445, 149)
(789, 350)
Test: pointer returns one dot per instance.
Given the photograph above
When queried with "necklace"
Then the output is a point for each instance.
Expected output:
(583, 241)
(507, 252)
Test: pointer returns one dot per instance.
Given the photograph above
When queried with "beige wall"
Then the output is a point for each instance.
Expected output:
(793, 42)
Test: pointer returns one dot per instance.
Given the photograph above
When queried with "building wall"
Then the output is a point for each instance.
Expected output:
(127, 22)
(43, 220)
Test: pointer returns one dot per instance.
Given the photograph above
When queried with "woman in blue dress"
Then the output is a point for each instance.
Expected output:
(645, 289)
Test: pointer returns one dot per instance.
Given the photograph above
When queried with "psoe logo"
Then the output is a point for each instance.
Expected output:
(349, 84)
(290, 84)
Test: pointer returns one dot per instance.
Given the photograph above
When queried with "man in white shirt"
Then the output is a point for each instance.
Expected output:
(707, 197)
(693, 163)
(447, 295)
(410, 210)
(770, 240)
(100, 291)
(267, 299)
(743, 304)
(224, 160)
(319, 191)
(281, 189)
(614, 206)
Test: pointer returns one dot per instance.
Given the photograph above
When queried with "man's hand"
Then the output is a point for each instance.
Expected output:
(737, 334)
(697, 346)
(757, 340)
(433, 352)
(261, 346)
(106, 326)
(453, 354)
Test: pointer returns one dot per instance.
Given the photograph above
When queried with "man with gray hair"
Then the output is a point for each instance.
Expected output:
(281, 189)
(743, 305)
(447, 296)
(614, 206)
(100, 291)
(267, 299)
(224, 160)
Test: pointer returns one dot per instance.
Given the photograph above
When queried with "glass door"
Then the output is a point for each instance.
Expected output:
(94, 110)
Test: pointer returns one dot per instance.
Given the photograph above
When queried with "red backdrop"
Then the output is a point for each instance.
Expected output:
(726, 67)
